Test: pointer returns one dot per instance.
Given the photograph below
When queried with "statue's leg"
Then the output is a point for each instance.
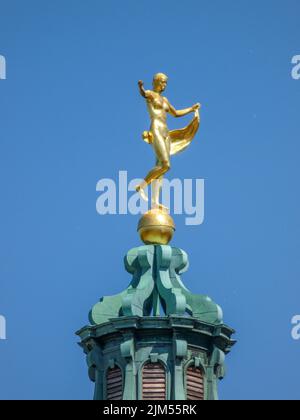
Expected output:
(162, 152)
(156, 188)
(158, 183)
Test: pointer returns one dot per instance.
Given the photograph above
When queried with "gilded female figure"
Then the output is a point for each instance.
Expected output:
(165, 143)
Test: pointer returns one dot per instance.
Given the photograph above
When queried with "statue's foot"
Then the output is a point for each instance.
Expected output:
(141, 191)
(160, 206)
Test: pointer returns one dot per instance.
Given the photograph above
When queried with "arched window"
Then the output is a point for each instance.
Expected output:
(154, 381)
(194, 383)
(114, 384)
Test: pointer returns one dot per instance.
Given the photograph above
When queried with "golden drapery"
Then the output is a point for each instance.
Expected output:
(181, 138)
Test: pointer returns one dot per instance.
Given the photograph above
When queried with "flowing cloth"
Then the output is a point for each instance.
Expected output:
(179, 139)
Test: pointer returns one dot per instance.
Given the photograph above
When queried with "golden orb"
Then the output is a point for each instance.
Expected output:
(156, 227)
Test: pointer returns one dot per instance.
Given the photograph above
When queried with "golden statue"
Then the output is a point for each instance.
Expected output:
(165, 143)
(157, 226)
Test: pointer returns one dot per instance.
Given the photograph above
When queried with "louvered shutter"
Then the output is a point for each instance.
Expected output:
(154, 382)
(194, 384)
(114, 384)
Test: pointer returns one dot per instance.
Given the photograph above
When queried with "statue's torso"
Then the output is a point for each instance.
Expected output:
(158, 107)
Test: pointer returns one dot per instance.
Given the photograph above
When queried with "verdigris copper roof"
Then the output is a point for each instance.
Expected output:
(156, 284)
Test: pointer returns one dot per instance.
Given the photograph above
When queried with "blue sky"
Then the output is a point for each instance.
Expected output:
(71, 115)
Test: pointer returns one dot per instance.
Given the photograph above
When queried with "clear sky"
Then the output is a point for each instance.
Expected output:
(71, 114)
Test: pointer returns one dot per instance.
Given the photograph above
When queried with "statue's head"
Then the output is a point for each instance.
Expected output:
(160, 81)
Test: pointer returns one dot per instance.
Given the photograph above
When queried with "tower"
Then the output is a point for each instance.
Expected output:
(157, 340)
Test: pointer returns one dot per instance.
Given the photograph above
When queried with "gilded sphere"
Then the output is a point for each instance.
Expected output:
(156, 227)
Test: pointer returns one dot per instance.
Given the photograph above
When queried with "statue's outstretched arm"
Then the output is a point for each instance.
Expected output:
(182, 112)
(145, 93)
